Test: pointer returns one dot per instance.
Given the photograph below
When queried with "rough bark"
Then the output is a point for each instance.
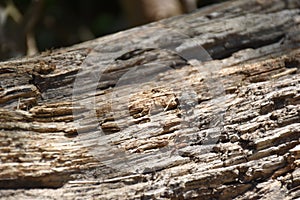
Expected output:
(236, 137)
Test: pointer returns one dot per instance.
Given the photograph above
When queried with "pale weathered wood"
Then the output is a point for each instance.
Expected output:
(236, 138)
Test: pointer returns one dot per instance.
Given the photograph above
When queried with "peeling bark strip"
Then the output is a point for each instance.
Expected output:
(236, 136)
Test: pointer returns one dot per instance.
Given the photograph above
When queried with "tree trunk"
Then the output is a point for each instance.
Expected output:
(201, 106)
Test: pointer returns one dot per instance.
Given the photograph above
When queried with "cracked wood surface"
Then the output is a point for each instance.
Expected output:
(236, 138)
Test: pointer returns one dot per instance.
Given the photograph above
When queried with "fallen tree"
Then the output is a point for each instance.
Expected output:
(149, 114)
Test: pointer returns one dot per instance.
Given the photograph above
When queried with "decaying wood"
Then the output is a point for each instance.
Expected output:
(238, 139)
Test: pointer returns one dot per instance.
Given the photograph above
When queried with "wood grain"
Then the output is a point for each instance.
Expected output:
(141, 114)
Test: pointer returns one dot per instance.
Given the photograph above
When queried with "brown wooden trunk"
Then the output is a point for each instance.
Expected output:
(149, 114)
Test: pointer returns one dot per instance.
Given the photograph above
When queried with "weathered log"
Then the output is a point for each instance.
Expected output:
(146, 114)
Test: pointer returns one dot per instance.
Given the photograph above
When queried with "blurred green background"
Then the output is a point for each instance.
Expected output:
(31, 26)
